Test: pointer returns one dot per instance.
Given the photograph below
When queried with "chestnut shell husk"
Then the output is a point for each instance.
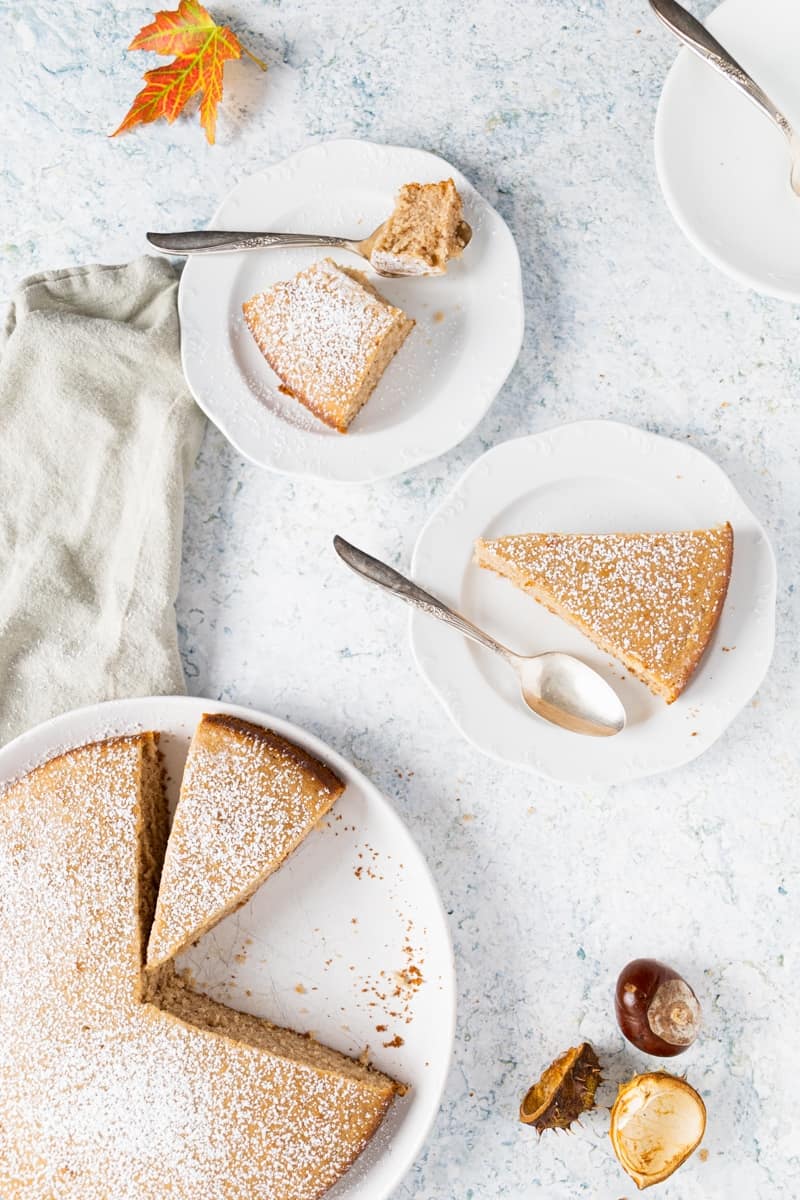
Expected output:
(656, 1009)
(565, 1090)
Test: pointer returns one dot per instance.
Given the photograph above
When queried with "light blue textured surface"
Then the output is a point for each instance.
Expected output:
(548, 107)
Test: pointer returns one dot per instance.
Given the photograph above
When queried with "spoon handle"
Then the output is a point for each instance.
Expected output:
(694, 35)
(392, 581)
(221, 241)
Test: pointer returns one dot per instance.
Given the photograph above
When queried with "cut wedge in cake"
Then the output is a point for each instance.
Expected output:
(422, 234)
(329, 336)
(248, 798)
(111, 1086)
(651, 600)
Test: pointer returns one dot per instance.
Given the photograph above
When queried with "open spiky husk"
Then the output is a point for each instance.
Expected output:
(566, 1089)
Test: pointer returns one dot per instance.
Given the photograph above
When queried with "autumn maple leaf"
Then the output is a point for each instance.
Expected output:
(202, 48)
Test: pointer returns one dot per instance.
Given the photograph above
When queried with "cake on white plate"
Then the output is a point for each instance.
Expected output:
(652, 600)
(120, 1083)
(248, 798)
(329, 336)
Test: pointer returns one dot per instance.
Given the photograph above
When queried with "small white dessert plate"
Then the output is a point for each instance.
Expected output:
(590, 477)
(443, 379)
(340, 925)
(723, 168)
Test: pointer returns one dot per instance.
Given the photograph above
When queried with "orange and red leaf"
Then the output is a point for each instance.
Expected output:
(182, 32)
(202, 48)
(210, 75)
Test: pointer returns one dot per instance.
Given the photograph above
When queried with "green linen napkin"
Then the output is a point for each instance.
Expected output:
(97, 436)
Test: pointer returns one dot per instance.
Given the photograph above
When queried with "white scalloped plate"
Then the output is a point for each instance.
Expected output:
(723, 169)
(467, 338)
(309, 948)
(595, 477)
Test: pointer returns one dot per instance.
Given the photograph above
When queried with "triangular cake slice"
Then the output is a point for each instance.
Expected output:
(651, 600)
(247, 800)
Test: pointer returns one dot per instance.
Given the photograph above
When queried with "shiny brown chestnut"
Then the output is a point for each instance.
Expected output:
(656, 1009)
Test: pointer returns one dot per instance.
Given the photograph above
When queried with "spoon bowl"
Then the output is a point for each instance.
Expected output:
(223, 241)
(556, 687)
(565, 691)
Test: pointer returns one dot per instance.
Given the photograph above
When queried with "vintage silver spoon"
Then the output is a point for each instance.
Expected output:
(694, 35)
(222, 241)
(557, 687)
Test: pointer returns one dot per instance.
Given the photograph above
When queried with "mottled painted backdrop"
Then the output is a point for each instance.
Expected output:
(548, 107)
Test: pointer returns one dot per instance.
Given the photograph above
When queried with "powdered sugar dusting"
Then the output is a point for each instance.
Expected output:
(321, 333)
(397, 263)
(246, 801)
(654, 596)
(101, 1095)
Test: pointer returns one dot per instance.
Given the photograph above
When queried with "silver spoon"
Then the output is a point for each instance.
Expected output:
(558, 687)
(222, 241)
(694, 35)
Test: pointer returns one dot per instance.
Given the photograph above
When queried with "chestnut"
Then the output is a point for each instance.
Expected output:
(656, 1009)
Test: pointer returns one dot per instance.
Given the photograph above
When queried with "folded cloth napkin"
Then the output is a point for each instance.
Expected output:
(97, 436)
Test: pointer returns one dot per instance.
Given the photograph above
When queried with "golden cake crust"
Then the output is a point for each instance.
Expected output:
(652, 600)
(329, 336)
(107, 1091)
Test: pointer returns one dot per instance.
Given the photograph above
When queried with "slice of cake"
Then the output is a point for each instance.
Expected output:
(651, 600)
(248, 798)
(422, 234)
(107, 1091)
(329, 336)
